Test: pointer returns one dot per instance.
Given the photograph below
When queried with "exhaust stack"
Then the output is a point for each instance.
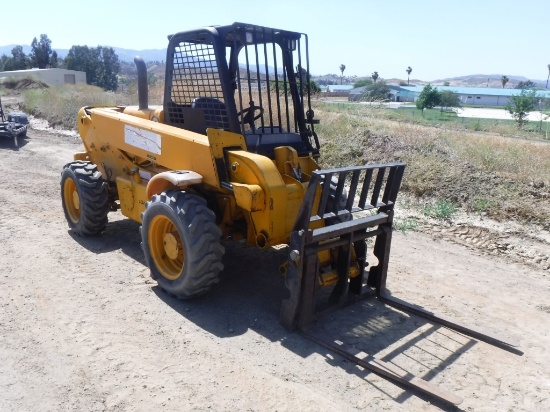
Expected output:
(143, 93)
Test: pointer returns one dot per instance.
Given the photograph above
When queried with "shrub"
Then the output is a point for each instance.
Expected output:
(59, 105)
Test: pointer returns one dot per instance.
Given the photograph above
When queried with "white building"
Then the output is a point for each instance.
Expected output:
(478, 96)
(52, 77)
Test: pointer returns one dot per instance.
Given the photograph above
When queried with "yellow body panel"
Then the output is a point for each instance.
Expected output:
(129, 147)
(220, 139)
(154, 113)
(132, 198)
(282, 195)
(251, 168)
(250, 197)
(117, 140)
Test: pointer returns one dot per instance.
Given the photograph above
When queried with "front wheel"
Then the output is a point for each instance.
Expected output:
(181, 242)
(84, 198)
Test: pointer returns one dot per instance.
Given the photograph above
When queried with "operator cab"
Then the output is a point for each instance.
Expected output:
(245, 79)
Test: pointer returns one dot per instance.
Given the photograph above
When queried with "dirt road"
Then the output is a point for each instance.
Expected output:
(83, 328)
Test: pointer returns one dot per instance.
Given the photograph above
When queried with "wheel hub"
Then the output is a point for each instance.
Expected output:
(76, 200)
(172, 245)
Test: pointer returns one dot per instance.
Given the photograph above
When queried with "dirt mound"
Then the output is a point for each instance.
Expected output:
(23, 84)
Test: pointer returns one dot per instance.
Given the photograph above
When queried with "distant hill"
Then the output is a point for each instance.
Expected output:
(159, 55)
(486, 80)
(26, 49)
(472, 80)
(125, 55)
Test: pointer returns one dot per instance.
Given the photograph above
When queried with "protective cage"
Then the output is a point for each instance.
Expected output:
(242, 78)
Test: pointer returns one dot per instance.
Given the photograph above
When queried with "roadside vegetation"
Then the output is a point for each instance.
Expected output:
(59, 104)
(449, 168)
(449, 119)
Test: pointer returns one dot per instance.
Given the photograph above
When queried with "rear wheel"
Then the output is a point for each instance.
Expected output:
(181, 242)
(84, 198)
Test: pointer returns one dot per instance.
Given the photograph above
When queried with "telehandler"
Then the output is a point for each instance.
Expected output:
(231, 154)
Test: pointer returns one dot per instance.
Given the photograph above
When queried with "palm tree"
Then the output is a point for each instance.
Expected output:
(342, 68)
(504, 80)
(409, 70)
(374, 76)
(548, 76)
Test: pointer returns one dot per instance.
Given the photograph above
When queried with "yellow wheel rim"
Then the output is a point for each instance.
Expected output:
(72, 200)
(166, 247)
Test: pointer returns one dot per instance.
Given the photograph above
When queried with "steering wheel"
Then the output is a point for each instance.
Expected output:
(247, 115)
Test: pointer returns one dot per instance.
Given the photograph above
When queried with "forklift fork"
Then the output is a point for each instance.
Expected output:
(371, 194)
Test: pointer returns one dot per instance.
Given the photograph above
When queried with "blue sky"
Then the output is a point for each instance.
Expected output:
(438, 39)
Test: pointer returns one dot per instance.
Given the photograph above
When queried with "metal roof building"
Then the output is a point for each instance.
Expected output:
(336, 88)
(483, 96)
(476, 96)
(399, 94)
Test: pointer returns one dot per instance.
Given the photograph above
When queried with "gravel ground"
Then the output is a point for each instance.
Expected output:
(84, 328)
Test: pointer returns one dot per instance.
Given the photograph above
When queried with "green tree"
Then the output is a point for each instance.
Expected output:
(78, 58)
(18, 61)
(520, 105)
(374, 76)
(41, 52)
(377, 92)
(314, 87)
(361, 83)
(342, 68)
(409, 71)
(54, 61)
(101, 65)
(448, 99)
(526, 85)
(283, 86)
(3, 60)
(302, 77)
(109, 68)
(504, 80)
(429, 97)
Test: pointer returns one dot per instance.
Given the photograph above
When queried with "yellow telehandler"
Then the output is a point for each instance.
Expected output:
(232, 155)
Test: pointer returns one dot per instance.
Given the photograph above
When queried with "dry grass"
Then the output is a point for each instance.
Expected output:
(59, 105)
(501, 176)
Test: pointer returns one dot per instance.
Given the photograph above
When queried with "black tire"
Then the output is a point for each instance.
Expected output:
(84, 197)
(341, 203)
(181, 242)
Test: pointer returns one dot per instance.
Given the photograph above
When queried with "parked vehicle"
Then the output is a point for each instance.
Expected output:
(14, 125)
